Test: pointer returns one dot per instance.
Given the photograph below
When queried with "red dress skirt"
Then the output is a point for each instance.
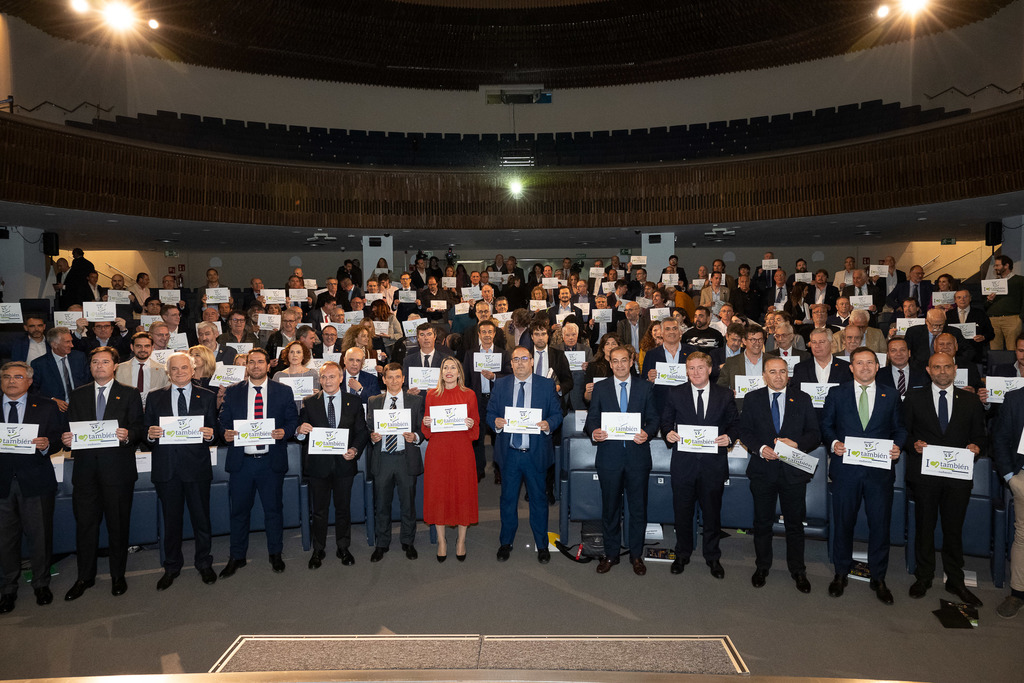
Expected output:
(449, 472)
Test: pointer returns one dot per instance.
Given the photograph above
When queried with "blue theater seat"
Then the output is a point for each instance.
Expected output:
(737, 504)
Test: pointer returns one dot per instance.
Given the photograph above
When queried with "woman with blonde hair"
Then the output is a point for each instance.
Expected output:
(449, 476)
(204, 362)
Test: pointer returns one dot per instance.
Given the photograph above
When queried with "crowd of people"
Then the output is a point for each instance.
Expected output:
(873, 365)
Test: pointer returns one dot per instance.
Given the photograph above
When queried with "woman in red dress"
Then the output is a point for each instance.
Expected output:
(449, 476)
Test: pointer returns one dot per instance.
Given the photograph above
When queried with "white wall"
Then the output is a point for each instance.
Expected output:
(22, 264)
(969, 58)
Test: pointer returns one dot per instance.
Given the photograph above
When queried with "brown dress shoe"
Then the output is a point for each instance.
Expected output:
(639, 568)
(605, 565)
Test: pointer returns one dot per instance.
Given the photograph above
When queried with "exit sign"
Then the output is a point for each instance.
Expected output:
(948, 240)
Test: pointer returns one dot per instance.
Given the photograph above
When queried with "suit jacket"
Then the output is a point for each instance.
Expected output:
(473, 377)
(1006, 431)
(113, 465)
(182, 462)
(746, 304)
(559, 365)
(840, 419)
(799, 353)
(350, 416)
(543, 396)
(719, 411)
(414, 359)
(979, 317)
(916, 377)
(707, 298)
(768, 298)
(157, 376)
(920, 351)
(610, 328)
(831, 295)
(47, 379)
(622, 330)
(605, 399)
(732, 368)
(757, 429)
(902, 291)
(225, 355)
(873, 339)
(876, 293)
(278, 403)
(370, 382)
(805, 372)
(966, 425)
(413, 459)
(34, 472)
(19, 348)
(76, 286)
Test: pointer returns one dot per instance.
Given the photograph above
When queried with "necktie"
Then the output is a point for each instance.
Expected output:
(101, 404)
(67, 377)
(913, 291)
(963, 316)
(943, 411)
(517, 439)
(12, 414)
(332, 418)
(778, 295)
(901, 383)
(540, 363)
(257, 405)
(391, 440)
(700, 404)
(776, 415)
(140, 382)
(862, 407)
(426, 361)
(623, 397)
(182, 405)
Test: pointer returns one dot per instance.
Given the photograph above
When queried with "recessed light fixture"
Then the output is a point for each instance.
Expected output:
(922, 218)
(111, 220)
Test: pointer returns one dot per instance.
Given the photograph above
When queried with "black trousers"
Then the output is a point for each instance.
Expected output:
(792, 500)
(93, 502)
(938, 497)
(174, 496)
(478, 445)
(33, 517)
(393, 473)
(693, 483)
(320, 491)
(616, 480)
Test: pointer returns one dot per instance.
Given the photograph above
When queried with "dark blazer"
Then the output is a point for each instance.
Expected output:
(473, 377)
(225, 355)
(471, 337)
(370, 382)
(916, 378)
(979, 317)
(610, 328)
(543, 396)
(756, 429)
(719, 411)
(902, 290)
(186, 462)
(559, 364)
(840, 419)
(278, 403)
(657, 355)
(966, 425)
(350, 417)
(745, 304)
(115, 465)
(876, 293)
(414, 359)
(576, 316)
(1006, 432)
(605, 399)
(805, 372)
(622, 330)
(34, 472)
(831, 295)
(19, 348)
(768, 298)
(413, 459)
(917, 342)
(121, 343)
(47, 379)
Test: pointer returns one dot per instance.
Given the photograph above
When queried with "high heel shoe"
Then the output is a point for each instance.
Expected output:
(460, 558)
(441, 558)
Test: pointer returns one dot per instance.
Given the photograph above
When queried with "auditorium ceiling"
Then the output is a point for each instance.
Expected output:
(463, 44)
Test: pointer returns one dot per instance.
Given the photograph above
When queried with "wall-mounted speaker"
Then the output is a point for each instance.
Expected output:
(993, 233)
(51, 244)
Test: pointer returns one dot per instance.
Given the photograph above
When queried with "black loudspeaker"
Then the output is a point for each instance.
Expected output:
(993, 233)
(51, 244)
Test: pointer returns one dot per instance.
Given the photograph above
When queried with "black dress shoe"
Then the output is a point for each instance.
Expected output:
(410, 551)
(504, 552)
(276, 563)
(118, 586)
(717, 570)
(758, 579)
(166, 580)
(963, 594)
(497, 476)
(882, 591)
(7, 603)
(678, 566)
(835, 589)
(543, 555)
(551, 498)
(919, 589)
(78, 589)
(346, 557)
(231, 567)
(208, 575)
(317, 559)
(43, 596)
(802, 584)
(378, 554)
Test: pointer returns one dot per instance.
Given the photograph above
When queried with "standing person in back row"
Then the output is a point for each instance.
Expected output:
(1004, 310)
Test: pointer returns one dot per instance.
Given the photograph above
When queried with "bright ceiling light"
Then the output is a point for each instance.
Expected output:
(515, 187)
(119, 15)
(913, 6)
(882, 12)
(80, 6)
(154, 24)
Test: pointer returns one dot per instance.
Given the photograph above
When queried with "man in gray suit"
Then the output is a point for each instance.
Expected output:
(395, 462)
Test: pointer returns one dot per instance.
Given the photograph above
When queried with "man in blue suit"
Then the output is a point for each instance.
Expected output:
(524, 456)
(182, 472)
(355, 380)
(699, 476)
(429, 354)
(862, 408)
(33, 344)
(623, 466)
(60, 371)
(778, 413)
(257, 468)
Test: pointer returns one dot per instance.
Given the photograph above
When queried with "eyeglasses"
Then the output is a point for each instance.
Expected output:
(521, 359)
(16, 378)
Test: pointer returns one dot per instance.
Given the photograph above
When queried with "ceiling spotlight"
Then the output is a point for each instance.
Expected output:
(154, 24)
(119, 15)
(515, 187)
(913, 6)
(80, 6)
(882, 12)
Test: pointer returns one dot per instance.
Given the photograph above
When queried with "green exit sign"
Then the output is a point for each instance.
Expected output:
(948, 240)
(625, 252)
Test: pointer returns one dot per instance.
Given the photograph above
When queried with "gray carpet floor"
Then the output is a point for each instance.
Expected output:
(776, 630)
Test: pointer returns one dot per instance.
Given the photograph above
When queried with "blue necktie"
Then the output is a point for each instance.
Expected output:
(623, 398)
(517, 439)
(943, 411)
(101, 404)
(12, 414)
(776, 416)
(182, 404)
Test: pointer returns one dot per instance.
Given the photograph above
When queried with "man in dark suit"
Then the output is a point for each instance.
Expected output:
(470, 337)
(102, 333)
(900, 372)
(257, 468)
(598, 330)
(862, 408)
(631, 330)
(550, 362)
(921, 338)
(821, 291)
(59, 372)
(104, 478)
(861, 287)
(696, 476)
(524, 456)
(76, 281)
(206, 334)
(941, 415)
(915, 287)
(182, 472)
(27, 486)
(748, 363)
(822, 367)
(328, 474)
(33, 344)
(1009, 464)
(842, 315)
(777, 294)
(394, 463)
(963, 313)
(778, 413)
(356, 381)
(623, 465)
(482, 383)
(429, 354)
(671, 351)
